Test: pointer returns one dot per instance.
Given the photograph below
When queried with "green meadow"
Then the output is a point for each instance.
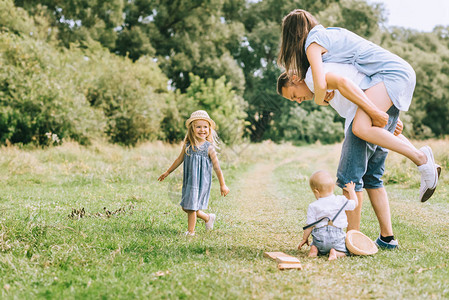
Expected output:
(129, 242)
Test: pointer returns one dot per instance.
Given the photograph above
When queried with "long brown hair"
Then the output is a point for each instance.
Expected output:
(295, 29)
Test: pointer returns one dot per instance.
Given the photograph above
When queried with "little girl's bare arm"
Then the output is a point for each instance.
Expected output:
(216, 165)
(175, 164)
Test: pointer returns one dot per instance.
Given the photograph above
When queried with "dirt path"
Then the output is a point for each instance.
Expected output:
(262, 212)
(269, 218)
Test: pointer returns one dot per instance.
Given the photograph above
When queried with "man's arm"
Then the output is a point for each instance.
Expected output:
(353, 93)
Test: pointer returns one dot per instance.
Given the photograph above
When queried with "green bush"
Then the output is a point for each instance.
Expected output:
(16, 20)
(131, 95)
(37, 94)
(216, 97)
(311, 126)
(49, 93)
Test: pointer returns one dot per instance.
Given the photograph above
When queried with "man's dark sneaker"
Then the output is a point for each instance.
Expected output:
(393, 244)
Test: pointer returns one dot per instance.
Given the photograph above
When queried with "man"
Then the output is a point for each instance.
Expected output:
(360, 162)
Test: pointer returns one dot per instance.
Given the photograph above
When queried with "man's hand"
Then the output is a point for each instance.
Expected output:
(379, 118)
(399, 128)
(329, 96)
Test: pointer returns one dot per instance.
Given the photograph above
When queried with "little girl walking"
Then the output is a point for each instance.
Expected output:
(199, 157)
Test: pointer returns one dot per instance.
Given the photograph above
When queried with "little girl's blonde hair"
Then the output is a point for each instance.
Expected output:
(212, 137)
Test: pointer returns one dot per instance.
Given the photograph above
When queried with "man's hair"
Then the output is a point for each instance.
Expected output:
(283, 81)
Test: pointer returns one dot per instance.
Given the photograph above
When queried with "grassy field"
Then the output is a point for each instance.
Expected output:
(138, 250)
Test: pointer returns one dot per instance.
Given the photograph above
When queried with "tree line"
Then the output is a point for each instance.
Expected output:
(132, 71)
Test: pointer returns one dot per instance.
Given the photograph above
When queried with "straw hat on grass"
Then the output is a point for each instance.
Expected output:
(359, 244)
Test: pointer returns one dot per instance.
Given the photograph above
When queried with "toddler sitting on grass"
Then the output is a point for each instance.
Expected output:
(326, 217)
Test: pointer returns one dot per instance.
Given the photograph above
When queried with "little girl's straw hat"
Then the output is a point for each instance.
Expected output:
(359, 244)
(200, 115)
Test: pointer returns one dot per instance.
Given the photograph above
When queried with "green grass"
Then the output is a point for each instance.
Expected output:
(142, 253)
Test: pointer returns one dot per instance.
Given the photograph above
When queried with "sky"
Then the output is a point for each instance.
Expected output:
(422, 15)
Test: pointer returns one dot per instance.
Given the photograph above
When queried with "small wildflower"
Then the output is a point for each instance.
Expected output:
(52, 138)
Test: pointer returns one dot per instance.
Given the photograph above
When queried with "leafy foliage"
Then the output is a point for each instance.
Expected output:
(131, 96)
(76, 93)
(218, 98)
(37, 95)
(311, 126)
(429, 55)
(195, 47)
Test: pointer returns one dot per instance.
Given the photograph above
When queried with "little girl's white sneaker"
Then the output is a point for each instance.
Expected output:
(188, 233)
(210, 223)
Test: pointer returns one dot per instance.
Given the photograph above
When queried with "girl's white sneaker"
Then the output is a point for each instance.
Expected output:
(188, 233)
(210, 223)
(429, 175)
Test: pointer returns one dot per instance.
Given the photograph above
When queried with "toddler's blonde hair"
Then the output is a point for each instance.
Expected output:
(322, 181)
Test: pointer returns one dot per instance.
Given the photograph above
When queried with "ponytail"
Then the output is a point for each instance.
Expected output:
(295, 29)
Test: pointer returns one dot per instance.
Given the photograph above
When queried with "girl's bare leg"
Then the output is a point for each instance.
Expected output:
(362, 127)
(191, 220)
(406, 140)
(313, 251)
(202, 215)
(334, 254)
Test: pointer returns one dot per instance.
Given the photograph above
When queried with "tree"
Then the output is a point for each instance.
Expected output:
(257, 53)
(218, 98)
(429, 56)
(80, 21)
(237, 42)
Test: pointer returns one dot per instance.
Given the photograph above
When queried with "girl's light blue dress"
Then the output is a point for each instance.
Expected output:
(380, 65)
(197, 178)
